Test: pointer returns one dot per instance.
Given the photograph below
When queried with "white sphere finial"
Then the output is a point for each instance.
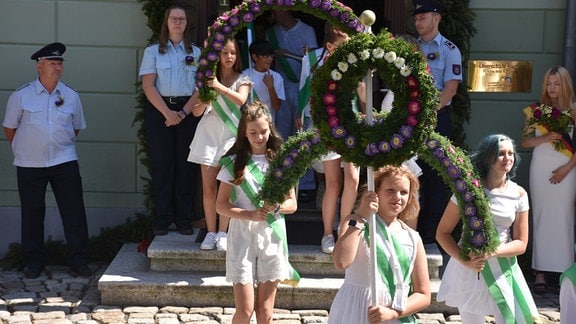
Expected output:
(367, 18)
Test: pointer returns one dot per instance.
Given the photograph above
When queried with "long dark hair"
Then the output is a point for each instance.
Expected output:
(164, 33)
(238, 64)
(251, 112)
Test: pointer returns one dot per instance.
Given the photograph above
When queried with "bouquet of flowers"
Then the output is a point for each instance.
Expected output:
(553, 120)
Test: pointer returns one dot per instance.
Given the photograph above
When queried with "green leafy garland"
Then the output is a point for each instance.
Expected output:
(240, 17)
(389, 140)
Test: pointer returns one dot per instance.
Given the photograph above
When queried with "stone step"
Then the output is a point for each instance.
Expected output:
(177, 253)
(129, 281)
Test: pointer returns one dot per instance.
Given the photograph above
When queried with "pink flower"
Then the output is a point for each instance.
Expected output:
(476, 183)
(414, 107)
(331, 110)
(333, 121)
(412, 120)
(329, 99)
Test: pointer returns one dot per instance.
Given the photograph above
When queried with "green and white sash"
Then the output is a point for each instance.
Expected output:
(284, 64)
(305, 90)
(228, 112)
(394, 266)
(253, 176)
(500, 276)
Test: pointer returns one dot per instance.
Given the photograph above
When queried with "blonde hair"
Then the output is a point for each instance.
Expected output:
(567, 96)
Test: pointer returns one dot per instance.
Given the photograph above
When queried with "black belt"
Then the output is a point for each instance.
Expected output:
(176, 100)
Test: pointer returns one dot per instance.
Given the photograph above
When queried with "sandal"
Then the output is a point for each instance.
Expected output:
(540, 287)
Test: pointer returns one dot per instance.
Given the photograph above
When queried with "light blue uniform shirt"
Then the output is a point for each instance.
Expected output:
(45, 130)
(174, 78)
(444, 60)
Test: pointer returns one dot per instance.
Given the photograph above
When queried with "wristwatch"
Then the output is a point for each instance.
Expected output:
(357, 224)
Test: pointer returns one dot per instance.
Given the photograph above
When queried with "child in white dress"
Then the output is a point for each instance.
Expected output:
(257, 255)
(403, 285)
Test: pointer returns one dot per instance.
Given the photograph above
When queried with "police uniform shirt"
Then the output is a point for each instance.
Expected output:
(45, 124)
(175, 76)
(443, 58)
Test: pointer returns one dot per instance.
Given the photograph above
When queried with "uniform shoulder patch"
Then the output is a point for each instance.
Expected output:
(456, 69)
(67, 85)
(450, 44)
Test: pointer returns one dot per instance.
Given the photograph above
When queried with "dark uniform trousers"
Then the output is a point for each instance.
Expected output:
(175, 181)
(66, 184)
(434, 193)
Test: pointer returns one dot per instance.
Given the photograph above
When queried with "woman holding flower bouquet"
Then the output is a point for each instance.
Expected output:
(548, 130)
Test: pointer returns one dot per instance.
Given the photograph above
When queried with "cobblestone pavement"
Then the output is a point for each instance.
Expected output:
(57, 297)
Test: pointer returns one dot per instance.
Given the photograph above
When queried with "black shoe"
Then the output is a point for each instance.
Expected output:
(81, 271)
(33, 272)
(186, 230)
(159, 231)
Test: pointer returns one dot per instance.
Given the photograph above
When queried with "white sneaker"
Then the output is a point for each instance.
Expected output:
(328, 244)
(209, 241)
(221, 241)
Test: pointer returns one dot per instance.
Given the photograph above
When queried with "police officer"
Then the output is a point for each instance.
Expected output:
(168, 73)
(445, 62)
(42, 122)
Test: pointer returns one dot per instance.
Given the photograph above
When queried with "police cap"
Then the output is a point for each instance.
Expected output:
(421, 6)
(52, 51)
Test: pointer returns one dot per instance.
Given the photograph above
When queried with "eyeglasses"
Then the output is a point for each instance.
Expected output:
(177, 19)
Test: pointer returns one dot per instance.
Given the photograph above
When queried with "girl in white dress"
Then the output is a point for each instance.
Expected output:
(474, 285)
(257, 256)
(403, 285)
(552, 183)
(216, 133)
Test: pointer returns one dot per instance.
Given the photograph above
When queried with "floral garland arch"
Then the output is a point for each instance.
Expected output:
(391, 138)
(241, 16)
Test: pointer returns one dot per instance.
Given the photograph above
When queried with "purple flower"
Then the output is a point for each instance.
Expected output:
(306, 145)
(218, 36)
(338, 132)
(384, 146)
(199, 84)
(454, 172)
(255, 8)
(334, 13)
(469, 210)
(555, 113)
(406, 131)
(439, 153)
(208, 73)
(350, 142)
(268, 2)
(212, 56)
(325, 6)
(446, 163)
(371, 149)
(396, 141)
(294, 153)
(432, 144)
(189, 60)
(248, 17)
(537, 113)
(316, 138)
(288, 3)
(478, 239)
(345, 17)
(460, 185)
(315, 3)
(476, 223)
(278, 173)
(467, 196)
(287, 162)
(234, 21)
(203, 62)
(217, 45)
(226, 29)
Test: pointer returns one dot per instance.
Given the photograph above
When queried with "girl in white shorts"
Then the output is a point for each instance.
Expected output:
(257, 257)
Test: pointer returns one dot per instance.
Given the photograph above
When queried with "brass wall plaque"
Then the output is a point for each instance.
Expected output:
(500, 76)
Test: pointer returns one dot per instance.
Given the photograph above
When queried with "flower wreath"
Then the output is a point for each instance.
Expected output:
(392, 138)
(241, 16)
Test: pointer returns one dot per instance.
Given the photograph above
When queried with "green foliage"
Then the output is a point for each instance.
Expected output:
(103, 247)
(457, 26)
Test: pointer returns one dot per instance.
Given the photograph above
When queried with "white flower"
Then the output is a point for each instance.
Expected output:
(378, 53)
(399, 62)
(364, 55)
(343, 66)
(405, 70)
(390, 57)
(336, 75)
(352, 58)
